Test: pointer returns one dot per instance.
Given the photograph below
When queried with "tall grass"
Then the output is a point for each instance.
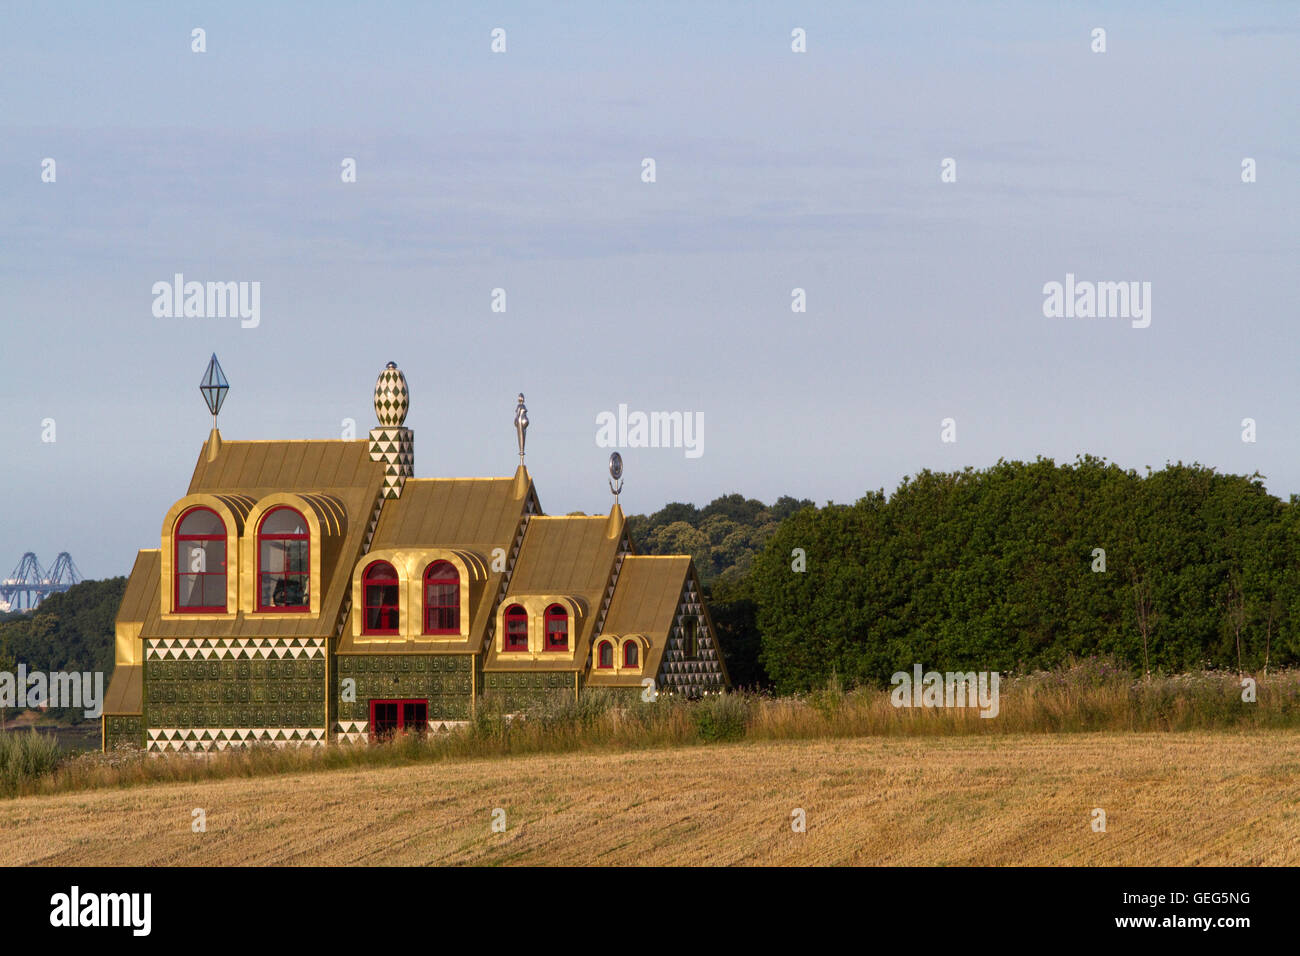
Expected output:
(1083, 696)
(24, 757)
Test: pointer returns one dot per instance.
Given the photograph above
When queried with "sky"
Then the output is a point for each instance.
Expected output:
(522, 170)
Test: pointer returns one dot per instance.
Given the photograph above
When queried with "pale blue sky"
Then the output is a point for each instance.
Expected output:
(522, 171)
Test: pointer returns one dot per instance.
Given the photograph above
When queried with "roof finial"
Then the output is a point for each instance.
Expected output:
(521, 425)
(392, 397)
(213, 386)
(391, 442)
(616, 475)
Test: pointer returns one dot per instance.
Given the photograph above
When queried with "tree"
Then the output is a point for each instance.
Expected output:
(1000, 569)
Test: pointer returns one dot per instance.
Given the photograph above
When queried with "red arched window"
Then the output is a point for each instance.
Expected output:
(441, 599)
(283, 562)
(605, 654)
(631, 655)
(516, 628)
(557, 629)
(379, 598)
(200, 562)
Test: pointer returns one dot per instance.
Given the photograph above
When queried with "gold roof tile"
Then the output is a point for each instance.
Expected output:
(646, 597)
(141, 593)
(125, 693)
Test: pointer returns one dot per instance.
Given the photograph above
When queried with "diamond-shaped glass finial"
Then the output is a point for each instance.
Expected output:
(214, 386)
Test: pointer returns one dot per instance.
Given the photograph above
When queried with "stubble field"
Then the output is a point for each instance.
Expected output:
(1195, 798)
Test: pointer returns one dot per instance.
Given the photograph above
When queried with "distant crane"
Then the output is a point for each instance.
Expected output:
(29, 585)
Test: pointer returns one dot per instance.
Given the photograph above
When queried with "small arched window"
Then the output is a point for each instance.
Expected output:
(557, 629)
(441, 599)
(605, 655)
(631, 655)
(283, 562)
(516, 628)
(379, 595)
(200, 562)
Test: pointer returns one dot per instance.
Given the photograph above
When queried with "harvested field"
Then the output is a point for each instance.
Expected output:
(1228, 798)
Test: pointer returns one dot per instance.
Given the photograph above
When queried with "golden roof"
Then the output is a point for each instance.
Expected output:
(567, 556)
(331, 475)
(261, 468)
(649, 587)
(474, 513)
(125, 691)
(645, 602)
(141, 593)
(463, 514)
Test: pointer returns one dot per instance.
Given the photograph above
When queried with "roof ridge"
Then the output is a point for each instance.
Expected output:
(571, 517)
(462, 478)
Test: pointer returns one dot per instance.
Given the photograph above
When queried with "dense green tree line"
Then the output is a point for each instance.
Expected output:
(724, 537)
(70, 631)
(999, 570)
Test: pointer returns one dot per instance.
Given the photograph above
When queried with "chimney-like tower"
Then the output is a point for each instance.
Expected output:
(391, 442)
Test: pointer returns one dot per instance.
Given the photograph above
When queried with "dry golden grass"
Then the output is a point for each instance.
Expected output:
(1082, 696)
(1197, 798)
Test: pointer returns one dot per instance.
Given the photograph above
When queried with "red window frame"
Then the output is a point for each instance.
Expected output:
(631, 654)
(516, 627)
(303, 576)
(556, 613)
(601, 648)
(177, 573)
(408, 714)
(370, 578)
(446, 616)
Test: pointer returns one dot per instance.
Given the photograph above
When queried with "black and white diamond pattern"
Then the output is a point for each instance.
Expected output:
(392, 398)
(395, 447)
(701, 674)
(235, 648)
(358, 731)
(205, 739)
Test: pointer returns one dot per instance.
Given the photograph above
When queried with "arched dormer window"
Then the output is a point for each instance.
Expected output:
(379, 587)
(200, 562)
(516, 628)
(441, 599)
(605, 655)
(557, 629)
(631, 655)
(283, 561)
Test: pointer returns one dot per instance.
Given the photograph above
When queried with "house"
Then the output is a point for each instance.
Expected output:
(312, 591)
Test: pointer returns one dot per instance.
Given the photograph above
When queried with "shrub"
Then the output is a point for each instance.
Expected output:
(722, 717)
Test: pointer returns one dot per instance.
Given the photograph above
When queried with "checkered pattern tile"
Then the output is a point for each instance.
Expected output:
(395, 447)
(205, 739)
(358, 731)
(235, 648)
(392, 398)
